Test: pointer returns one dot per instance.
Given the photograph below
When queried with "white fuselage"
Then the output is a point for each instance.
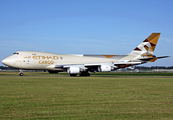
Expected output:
(47, 61)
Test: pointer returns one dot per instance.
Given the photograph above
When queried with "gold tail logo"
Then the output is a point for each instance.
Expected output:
(147, 47)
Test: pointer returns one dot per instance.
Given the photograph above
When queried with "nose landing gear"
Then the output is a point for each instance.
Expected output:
(21, 72)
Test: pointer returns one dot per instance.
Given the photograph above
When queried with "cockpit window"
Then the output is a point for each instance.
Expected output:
(16, 53)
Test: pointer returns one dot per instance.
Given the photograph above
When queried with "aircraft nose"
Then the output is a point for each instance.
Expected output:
(6, 61)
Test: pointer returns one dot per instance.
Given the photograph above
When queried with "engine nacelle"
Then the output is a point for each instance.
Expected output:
(104, 68)
(73, 70)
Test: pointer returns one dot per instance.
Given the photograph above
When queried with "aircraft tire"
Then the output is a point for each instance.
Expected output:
(85, 74)
(52, 71)
(21, 74)
(73, 75)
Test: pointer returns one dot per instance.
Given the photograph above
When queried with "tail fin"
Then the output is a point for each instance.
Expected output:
(146, 48)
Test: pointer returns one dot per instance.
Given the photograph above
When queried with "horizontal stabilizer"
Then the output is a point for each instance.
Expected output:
(152, 59)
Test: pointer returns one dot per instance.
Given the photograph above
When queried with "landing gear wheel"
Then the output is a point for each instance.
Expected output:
(73, 74)
(84, 74)
(21, 74)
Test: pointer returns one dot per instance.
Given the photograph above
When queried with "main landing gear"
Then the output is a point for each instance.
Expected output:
(72, 75)
(84, 74)
(21, 72)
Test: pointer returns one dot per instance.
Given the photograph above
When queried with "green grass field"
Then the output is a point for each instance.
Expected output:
(86, 98)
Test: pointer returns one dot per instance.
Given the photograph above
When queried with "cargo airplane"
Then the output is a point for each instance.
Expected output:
(83, 64)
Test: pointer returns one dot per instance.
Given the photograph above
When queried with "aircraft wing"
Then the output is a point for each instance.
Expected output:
(93, 67)
(101, 67)
(96, 67)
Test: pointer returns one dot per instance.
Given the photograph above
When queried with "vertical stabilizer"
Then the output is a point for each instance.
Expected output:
(146, 48)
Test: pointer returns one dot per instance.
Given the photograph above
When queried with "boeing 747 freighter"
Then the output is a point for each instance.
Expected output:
(83, 64)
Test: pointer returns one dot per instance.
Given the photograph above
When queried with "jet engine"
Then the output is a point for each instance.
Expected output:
(104, 68)
(73, 70)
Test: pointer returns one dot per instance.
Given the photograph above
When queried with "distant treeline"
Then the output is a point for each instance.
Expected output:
(136, 67)
(7, 68)
(152, 67)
